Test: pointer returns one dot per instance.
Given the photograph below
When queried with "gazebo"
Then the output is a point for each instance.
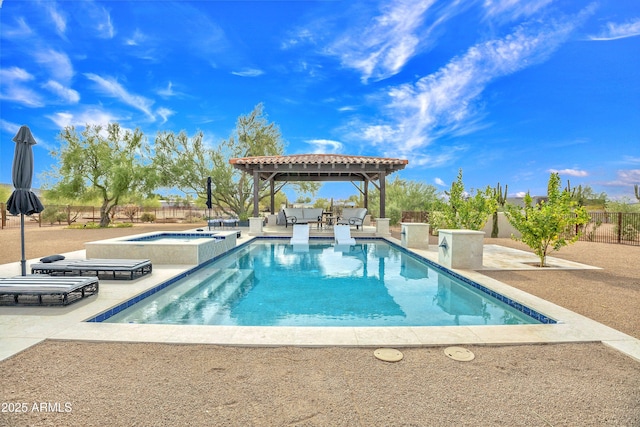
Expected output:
(319, 167)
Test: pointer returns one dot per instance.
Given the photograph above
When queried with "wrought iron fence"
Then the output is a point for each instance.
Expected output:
(604, 227)
(613, 227)
(66, 215)
(415, 216)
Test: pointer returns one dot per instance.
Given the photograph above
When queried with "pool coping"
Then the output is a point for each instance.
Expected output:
(22, 327)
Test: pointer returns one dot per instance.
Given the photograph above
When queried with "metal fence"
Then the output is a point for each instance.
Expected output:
(603, 227)
(66, 215)
(415, 216)
(613, 227)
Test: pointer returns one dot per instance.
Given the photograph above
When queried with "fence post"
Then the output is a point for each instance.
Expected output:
(3, 214)
(619, 227)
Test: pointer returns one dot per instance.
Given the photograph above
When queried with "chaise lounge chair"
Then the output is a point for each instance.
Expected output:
(42, 289)
(342, 235)
(300, 234)
(108, 268)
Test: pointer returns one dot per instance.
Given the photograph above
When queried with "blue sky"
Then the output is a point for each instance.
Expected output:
(507, 90)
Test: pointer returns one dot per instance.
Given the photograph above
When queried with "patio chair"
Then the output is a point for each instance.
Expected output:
(352, 216)
(46, 290)
(342, 235)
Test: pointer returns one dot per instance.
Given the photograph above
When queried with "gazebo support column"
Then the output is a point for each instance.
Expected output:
(273, 196)
(256, 193)
(366, 194)
(383, 195)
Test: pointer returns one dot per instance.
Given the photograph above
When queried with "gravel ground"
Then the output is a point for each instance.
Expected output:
(84, 384)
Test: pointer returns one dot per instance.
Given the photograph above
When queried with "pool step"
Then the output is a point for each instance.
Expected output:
(148, 308)
(210, 295)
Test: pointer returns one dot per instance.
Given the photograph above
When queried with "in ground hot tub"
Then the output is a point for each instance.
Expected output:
(175, 248)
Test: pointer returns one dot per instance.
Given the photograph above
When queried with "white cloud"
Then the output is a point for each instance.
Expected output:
(21, 30)
(614, 31)
(137, 38)
(446, 102)
(59, 20)
(112, 88)
(15, 74)
(165, 113)
(631, 159)
(325, 146)
(439, 182)
(625, 179)
(67, 94)
(521, 194)
(89, 116)
(347, 108)
(629, 176)
(513, 9)
(103, 23)
(383, 45)
(9, 127)
(167, 92)
(249, 72)
(13, 87)
(58, 64)
(570, 172)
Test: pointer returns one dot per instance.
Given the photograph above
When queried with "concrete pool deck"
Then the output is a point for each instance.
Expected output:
(23, 327)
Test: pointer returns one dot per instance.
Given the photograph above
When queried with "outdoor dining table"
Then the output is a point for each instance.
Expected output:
(327, 219)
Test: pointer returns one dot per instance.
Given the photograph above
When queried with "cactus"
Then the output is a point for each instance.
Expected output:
(577, 193)
(636, 190)
(501, 199)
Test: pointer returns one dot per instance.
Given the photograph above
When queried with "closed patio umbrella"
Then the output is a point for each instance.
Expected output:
(23, 201)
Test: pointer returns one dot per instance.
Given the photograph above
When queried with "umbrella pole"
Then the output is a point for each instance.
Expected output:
(23, 261)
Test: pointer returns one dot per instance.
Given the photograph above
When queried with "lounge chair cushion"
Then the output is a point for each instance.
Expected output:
(52, 258)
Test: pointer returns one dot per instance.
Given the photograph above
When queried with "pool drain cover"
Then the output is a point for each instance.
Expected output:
(460, 354)
(388, 354)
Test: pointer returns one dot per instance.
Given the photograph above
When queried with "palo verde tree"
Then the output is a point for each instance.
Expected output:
(104, 162)
(464, 210)
(548, 225)
(186, 163)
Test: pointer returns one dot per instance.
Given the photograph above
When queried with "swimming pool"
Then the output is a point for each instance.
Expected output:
(271, 283)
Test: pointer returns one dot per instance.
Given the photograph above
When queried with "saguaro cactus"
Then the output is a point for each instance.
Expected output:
(636, 190)
(501, 199)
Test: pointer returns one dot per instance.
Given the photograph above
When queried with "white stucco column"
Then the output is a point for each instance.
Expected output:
(415, 235)
(460, 248)
(255, 226)
(382, 227)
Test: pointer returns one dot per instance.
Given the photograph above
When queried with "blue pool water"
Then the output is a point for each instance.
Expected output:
(374, 283)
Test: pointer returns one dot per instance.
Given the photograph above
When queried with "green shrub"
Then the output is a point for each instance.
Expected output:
(147, 217)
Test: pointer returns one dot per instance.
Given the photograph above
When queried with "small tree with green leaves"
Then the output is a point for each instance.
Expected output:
(185, 163)
(463, 210)
(548, 225)
(105, 162)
